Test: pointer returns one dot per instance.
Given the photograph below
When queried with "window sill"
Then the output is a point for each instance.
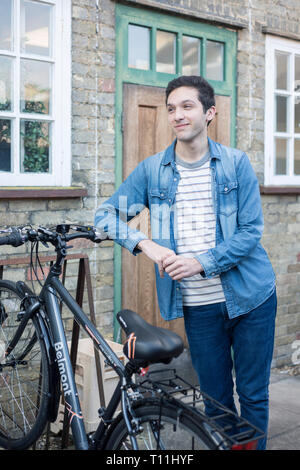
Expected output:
(75, 192)
(42, 193)
(280, 190)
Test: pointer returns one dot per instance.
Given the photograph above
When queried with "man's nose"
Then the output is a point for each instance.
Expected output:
(178, 114)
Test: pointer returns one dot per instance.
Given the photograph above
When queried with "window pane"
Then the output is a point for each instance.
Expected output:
(36, 28)
(214, 60)
(35, 86)
(281, 71)
(5, 83)
(5, 145)
(281, 156)
(165, 52)
(297, 157)
(190, 56)
(297, 73)
(35, 146)
(6, 25)
(297, 114)
(281, 113)
(138, 47)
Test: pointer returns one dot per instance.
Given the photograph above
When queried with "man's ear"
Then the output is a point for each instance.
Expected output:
(210, 114)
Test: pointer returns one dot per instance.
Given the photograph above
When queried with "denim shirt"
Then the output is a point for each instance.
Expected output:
(245, 270)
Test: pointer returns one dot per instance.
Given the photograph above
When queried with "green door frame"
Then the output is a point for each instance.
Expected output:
(126, 15)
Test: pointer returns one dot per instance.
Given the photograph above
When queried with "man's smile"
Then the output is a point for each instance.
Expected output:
(181, 126)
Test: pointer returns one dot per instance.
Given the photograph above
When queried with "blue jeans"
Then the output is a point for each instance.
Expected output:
(213, 336)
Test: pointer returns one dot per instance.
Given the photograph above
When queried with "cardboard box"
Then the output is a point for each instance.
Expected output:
(87, 383)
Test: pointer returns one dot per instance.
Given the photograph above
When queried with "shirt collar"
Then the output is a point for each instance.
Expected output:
(169, 155)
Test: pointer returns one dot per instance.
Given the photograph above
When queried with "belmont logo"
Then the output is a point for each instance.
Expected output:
(61, 361)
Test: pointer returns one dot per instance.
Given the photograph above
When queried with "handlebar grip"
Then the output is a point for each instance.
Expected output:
(15, 239)
(5, 240)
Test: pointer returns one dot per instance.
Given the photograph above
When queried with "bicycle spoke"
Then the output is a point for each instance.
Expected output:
(22, 379)
(19, 406)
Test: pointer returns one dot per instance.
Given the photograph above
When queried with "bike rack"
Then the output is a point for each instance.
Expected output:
(83, 275)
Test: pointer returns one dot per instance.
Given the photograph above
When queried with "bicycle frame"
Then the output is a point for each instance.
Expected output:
(48, 295)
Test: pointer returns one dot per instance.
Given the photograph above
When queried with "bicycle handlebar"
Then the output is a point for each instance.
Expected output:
(20, 235)
(15, 239)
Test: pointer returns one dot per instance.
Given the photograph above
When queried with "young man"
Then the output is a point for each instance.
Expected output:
(206, 221)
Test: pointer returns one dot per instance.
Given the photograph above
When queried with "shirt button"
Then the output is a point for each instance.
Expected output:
(175, 179)
(226, 189)
(162, 194)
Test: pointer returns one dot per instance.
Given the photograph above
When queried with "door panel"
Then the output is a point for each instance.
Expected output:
(145, 132)
(219, 128)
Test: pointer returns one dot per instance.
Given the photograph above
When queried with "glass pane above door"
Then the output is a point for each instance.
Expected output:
(165, 52)
(214, 60)
(138, 47)
(190, 55)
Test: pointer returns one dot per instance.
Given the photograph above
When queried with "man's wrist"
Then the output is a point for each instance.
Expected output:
(142, 243)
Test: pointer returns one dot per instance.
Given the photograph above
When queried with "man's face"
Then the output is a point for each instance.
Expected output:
(185, 114)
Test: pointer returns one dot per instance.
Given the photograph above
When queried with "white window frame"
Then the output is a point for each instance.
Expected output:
(60, 117)
(292, 47)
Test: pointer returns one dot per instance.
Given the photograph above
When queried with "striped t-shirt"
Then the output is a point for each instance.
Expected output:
(196, 228)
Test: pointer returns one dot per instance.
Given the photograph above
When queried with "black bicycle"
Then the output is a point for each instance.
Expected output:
(35, 368)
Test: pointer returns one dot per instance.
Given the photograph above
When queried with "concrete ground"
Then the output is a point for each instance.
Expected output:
(284, 424)
(284, 391)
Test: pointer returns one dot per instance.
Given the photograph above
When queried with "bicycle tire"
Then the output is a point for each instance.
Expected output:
(179, 429)
(24, 376)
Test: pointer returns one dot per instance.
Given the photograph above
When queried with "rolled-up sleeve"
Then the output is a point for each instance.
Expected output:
(129, 200)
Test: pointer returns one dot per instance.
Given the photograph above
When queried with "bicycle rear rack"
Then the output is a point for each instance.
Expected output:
(226, 427)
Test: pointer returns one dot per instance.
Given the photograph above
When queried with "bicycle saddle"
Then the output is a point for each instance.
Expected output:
(146, 342)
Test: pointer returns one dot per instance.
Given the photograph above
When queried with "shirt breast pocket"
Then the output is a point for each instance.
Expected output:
(158, 195)
(228, 202)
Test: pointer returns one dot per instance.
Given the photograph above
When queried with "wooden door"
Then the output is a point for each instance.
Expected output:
(145, 132)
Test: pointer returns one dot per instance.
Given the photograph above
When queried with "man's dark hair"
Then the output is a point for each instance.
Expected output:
(206, 94)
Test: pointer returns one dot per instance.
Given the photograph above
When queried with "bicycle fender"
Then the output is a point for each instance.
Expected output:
(140, 402)
(54, 377)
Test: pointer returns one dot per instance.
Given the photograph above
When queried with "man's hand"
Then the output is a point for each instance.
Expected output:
(179, 267)
(155, 252)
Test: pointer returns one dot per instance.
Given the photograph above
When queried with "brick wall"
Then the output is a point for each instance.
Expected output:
(93, 68)
(93, 74)
(93, 154)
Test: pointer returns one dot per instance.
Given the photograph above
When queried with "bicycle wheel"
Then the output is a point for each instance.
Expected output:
(24, 376)
(164, 427)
